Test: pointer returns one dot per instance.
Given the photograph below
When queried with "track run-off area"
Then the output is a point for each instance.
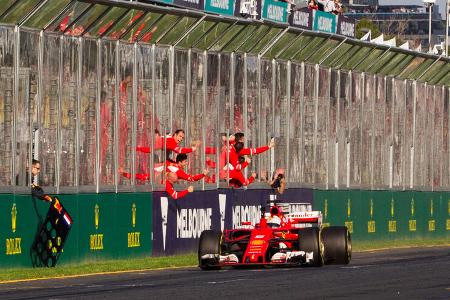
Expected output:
(411, 273)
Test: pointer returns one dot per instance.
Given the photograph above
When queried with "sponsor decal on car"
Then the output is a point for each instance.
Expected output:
(257, 242)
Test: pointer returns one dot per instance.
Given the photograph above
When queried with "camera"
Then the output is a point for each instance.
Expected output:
(277, 182)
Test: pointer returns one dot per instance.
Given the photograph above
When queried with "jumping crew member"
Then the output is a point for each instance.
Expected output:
(171, 179)
(178, 168)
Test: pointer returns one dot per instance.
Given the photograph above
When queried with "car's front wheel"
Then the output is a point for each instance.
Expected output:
(209, 250)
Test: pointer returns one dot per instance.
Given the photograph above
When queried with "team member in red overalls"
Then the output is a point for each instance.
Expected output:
(236, 178)
(171, 179)
(172, 143)
(178, 168)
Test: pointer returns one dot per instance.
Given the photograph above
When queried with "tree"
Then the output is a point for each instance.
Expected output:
(364, 25)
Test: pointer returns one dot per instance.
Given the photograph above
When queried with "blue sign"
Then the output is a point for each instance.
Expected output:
(275, 11)
(324, 22)
(178, 224)
(301, 18)
(346, 26)
(221, 7)
(197, 4)
(247, 9)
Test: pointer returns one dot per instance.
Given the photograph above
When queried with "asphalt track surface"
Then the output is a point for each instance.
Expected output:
(415, 273)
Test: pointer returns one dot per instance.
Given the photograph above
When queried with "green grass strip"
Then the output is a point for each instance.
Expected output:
(151, 263)
(102, 266)
(404, 243)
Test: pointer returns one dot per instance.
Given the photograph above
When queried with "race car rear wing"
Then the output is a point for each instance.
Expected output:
(305, 219)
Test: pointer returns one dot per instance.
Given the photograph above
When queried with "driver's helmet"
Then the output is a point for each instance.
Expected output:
(274, 221)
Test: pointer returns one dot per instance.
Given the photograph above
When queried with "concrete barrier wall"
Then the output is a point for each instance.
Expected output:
(105, 226)
(126, 225)
(387, 215)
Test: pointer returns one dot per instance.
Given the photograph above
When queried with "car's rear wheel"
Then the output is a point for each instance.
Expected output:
(309, 241)
(337, 245)
(209, 250)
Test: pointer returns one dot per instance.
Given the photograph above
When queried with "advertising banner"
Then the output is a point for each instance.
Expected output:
(386, 215)
(245, 205)
(134, 224)
(164, 1)
(221, 7)
(302, 18)
(324, 22)
(177, 224)
(17, 228)
(197, 4)
(245, 8)
(275, 11)
(346, 26)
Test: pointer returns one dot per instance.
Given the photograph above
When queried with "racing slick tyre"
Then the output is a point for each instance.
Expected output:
(209, 245)
(337, 245)
(309, 241)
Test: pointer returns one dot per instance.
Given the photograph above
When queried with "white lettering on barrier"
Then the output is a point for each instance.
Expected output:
(275, 13)
(222, 4)
(192, 222)
(301, 18)
(246, 213)
(193, 1)
(347, 29)
(325, 24)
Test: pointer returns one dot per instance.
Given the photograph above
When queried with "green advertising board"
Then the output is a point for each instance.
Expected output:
(386, 215)
(104, 226)
(221, 7)
(275, 11)
(324, 22)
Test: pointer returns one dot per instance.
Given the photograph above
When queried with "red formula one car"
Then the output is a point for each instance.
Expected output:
(295, 238)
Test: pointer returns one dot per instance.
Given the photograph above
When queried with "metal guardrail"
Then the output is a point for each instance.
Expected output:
(187, 28)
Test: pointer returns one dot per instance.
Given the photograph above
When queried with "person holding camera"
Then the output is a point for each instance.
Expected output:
(278, 182)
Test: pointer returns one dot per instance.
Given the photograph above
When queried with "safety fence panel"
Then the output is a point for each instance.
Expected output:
(321, 127)
(108, 106)
(26, 106)
(88, 93)
(398, 138)
(295, 121)
(343, 129)
(93, 110)
(355, 120)
(195, 111)
(367, 124)
(104, 226)
(252, 110)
